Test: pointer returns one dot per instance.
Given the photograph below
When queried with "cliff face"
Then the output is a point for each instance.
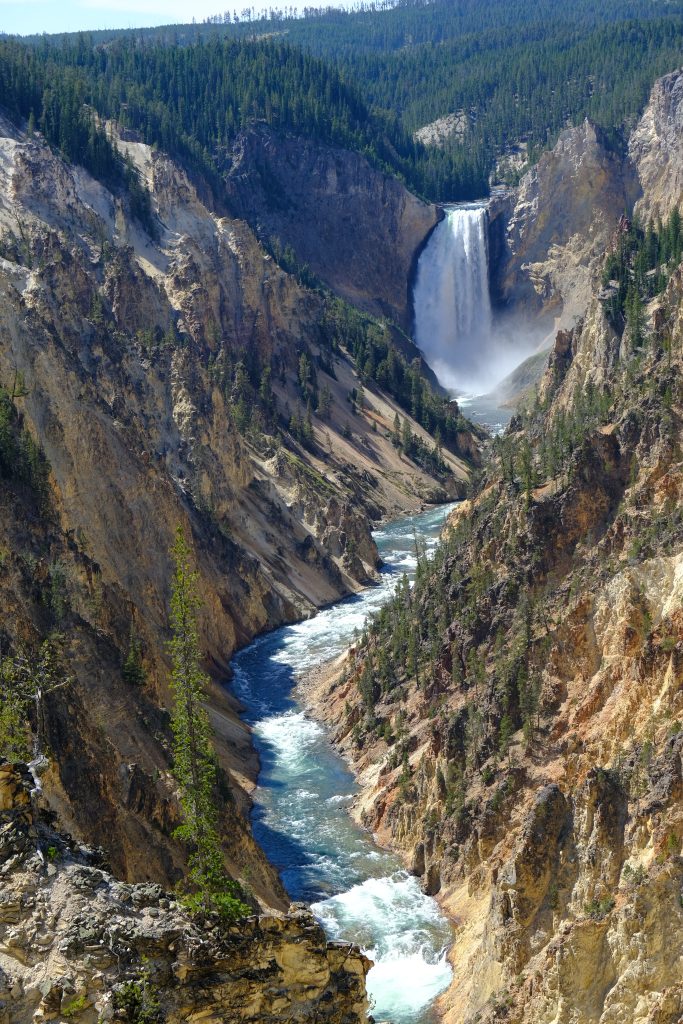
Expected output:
(516, 719)
(549, 233)
(142, 362)
(358, 230)
(656, 148)
(75, 944)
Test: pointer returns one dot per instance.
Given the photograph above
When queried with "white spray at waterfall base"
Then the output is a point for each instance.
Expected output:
(454, 322)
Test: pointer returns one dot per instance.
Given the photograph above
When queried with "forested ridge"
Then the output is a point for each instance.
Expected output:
(367, 79)
(192, 100)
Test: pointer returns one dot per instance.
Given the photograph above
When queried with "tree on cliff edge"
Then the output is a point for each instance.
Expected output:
(209, 887)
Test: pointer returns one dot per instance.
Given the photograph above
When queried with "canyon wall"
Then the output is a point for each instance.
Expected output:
(158, 373)
(357, 229)
(656, 149)
(550, 233)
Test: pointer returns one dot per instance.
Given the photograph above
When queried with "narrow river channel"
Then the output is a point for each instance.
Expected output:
(357, 891)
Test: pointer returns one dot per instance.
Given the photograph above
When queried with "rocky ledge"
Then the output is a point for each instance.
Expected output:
(78, 945)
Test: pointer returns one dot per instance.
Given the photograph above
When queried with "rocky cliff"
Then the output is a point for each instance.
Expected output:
(357, 229)
(656, 148)
(178, 377)
(548, 235)
(552, 229)
(516, 719)
(77, 945)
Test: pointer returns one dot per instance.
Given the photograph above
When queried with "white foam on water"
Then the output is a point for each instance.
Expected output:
(329, 633)
(406, 561)
(400, 984)
(291, 734)
(402, 931)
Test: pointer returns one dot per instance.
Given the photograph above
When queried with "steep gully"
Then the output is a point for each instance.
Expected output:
(359, 892)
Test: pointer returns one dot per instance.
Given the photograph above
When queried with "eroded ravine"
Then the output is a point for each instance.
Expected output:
(358, 891)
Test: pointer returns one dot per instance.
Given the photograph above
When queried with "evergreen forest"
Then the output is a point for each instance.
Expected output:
(365, 79)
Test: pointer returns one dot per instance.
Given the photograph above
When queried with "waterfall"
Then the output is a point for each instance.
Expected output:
(453, 320)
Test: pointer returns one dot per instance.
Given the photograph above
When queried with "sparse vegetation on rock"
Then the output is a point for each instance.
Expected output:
(516, 713)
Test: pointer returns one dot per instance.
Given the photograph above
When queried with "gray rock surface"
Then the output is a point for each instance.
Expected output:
(358, 230)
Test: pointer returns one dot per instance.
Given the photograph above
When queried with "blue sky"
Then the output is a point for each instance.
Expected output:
(30, 16)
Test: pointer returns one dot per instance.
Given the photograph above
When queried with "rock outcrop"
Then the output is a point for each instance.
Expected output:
(357, 229)
(437, 133)
(77, 945)
(656, 149)
(549, 233)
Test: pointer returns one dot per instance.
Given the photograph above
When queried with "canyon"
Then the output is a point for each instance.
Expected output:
(523, 757)
(137, 428)
(126, 356)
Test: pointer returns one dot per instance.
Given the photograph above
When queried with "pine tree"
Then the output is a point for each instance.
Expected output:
(505, 734)
(25, 681)
(265, 386)
(406, 437)
(194, 765)
(324, 403)
(635, 317)
(133, 670)
(14, 703)
(305, 374)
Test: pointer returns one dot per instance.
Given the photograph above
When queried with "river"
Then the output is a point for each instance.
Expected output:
(358, 891)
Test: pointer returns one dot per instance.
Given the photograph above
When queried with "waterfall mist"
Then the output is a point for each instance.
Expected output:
(454, 323)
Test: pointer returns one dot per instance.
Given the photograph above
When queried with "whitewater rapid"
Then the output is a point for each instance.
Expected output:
(358, 891)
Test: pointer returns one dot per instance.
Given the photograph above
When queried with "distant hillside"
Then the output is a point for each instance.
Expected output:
(191, 100)
(520, 70)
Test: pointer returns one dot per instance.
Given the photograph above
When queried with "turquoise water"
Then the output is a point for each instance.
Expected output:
(357, 891)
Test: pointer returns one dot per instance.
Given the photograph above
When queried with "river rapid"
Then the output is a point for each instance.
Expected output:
(358, 891)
